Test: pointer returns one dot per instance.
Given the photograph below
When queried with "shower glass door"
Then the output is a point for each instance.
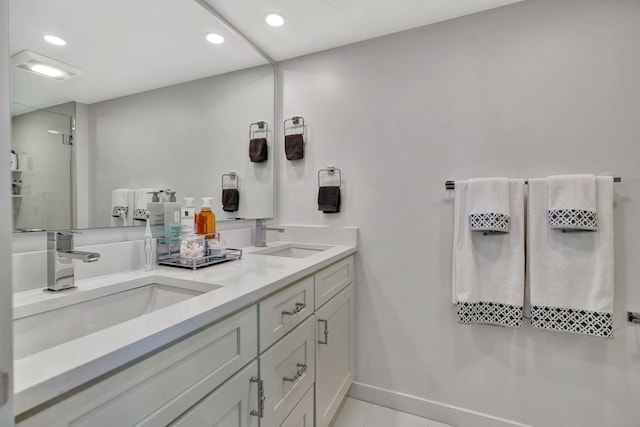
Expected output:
(41, 185)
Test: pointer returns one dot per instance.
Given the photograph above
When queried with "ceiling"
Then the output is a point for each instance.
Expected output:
(125, 47)
(318, 25)
(122, 46)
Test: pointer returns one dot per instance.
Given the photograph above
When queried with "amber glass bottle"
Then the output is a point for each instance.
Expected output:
(206, 219)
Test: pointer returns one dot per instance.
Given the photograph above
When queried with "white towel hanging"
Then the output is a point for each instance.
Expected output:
(488, 271)
(570, 275)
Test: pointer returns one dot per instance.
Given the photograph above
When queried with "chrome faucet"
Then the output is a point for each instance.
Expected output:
(261, 232)
(60, 256)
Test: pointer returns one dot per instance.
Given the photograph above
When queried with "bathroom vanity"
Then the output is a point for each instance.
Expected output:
(263, 341)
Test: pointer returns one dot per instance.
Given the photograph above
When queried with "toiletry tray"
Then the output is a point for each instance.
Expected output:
(168, 253)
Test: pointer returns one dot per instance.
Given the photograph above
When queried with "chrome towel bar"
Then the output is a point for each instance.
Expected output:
(450, 185)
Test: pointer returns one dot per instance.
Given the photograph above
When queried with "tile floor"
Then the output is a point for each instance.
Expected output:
(357, 413)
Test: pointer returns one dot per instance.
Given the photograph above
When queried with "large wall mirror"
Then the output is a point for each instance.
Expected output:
(143, 101)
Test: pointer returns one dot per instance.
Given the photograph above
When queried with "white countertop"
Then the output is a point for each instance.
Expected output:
(57, 370)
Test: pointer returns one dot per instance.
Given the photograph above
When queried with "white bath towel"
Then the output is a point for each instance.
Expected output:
(141, 197)
(572, 202)
(570, 275)
(487, 204)
(122, 207)
(488, 271)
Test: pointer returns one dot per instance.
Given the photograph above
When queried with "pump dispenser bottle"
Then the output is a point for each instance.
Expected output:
(156, 208)
(172, 221)
(206, 220)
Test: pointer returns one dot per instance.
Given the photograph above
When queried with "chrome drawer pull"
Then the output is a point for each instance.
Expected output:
(302, 368)
(326, 332)
(299, 307)
(260, 412)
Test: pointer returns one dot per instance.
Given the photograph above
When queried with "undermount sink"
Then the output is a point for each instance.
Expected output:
(78, 314)
(294, 250)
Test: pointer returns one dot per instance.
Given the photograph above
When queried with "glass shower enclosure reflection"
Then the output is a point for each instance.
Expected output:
(41, 183)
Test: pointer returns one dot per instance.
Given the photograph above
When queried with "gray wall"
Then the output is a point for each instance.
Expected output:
(184, 137)
(6, 227)
(537, 88)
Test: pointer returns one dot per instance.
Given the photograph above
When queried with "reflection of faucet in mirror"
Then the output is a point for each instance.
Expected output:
(261, 232)
(60, 256)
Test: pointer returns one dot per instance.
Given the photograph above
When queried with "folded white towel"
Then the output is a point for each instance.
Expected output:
(570, 275)
(487, 204)
(488, 271)
(122, 207)
(572, 202)
(141, 197)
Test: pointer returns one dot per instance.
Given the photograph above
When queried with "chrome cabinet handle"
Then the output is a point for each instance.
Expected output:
(299, 307)
(260, 412)
(326, 332)
(302, 368)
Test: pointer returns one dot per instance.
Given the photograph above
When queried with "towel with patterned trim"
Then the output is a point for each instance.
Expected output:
(570, 275)
(572, 202)
(487, 205)
(488, 271)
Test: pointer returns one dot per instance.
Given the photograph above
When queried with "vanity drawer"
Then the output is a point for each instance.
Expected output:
(229, 405)
(158, 389)
(288, 370)
(285, 310)
(302, 414)
(332, 280)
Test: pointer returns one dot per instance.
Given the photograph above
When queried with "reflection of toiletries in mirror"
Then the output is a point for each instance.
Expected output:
(172, 223)
(188, 217)
(206, 220)
(16, 187)
(156, 208)
(147, 244)
(14, 160)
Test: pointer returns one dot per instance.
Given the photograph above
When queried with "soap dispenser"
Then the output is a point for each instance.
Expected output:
(156, 208)
(172, 219)
(206, 219)
(188, 217)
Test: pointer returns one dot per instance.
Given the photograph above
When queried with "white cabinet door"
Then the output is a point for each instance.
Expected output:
(288, 370)
(230, 405)
(334, 354)
(302, 414)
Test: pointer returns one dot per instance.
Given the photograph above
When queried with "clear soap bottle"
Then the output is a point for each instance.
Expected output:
(172, 218)
(156, 209)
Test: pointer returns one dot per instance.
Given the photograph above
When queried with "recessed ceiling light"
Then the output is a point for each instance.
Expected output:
(274, 19)
(215, 38)
(53, 131)
(54, 40)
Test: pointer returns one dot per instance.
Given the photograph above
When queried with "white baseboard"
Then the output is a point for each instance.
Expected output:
(437, 411)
